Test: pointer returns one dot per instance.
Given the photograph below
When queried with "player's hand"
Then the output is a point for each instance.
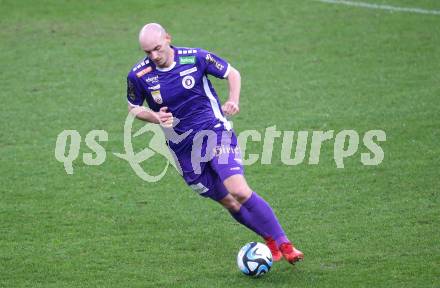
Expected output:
(230, 108)
(165, 118)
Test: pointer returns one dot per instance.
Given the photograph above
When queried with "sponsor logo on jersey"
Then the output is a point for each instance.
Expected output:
(143, 72)
(153, 79)
(188, 71)
(155, 87)
(157, 97)
(188, 82)
(211, 60)
(187, 59)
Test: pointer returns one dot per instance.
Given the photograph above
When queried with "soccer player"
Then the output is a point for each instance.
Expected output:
(174, 83)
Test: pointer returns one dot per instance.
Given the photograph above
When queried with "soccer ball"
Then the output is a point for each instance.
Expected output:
(254, 259)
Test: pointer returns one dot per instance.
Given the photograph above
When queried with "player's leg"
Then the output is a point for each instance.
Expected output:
(240, 198)
(262, 213)
(262, 216)
(238, 187)
(230, 203)
(237, 211)
(257, 212)
(207, 183)
(241, 214)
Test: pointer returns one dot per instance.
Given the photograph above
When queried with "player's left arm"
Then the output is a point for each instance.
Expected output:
(220, 68)
(231, 106)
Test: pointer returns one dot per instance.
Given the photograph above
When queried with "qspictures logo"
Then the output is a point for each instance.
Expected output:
(307, 150)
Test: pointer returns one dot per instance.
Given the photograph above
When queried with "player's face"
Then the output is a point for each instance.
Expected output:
(159, 51)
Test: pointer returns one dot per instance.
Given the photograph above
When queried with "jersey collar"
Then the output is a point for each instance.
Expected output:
(167, 68)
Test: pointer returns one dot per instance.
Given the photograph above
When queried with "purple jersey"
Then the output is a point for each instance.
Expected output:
(183, 87)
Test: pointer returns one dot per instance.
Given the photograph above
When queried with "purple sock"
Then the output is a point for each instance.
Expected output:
(243, 217)
(262, 216)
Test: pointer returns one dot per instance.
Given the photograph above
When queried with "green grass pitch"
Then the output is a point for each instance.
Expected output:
(305, 66)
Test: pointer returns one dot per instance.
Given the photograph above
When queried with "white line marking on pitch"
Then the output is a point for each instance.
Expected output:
(382, 7)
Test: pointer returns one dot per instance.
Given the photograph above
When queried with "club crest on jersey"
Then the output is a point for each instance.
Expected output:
(157, 97)
(188, 82)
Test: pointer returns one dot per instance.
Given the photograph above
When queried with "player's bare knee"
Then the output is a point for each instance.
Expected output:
(234, 207)
(230, 203)
(243, 195)
(238, 188)
(241, 192)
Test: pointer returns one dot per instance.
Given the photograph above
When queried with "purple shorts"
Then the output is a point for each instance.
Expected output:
(210, 161)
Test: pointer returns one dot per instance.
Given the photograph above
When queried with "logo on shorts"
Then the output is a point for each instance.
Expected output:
(226, 149)
(188, 82)
(199, 188)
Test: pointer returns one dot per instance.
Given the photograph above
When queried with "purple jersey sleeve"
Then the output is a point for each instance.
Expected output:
(212, 64)
(135, 97)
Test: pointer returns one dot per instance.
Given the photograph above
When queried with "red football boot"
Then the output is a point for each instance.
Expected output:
(276, 253)
(290, 253)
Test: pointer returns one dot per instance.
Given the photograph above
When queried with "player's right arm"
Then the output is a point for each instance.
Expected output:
(143, 113)
(162, 117)
(135, 100)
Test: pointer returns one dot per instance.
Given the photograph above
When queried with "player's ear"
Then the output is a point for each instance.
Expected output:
(168, 38)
